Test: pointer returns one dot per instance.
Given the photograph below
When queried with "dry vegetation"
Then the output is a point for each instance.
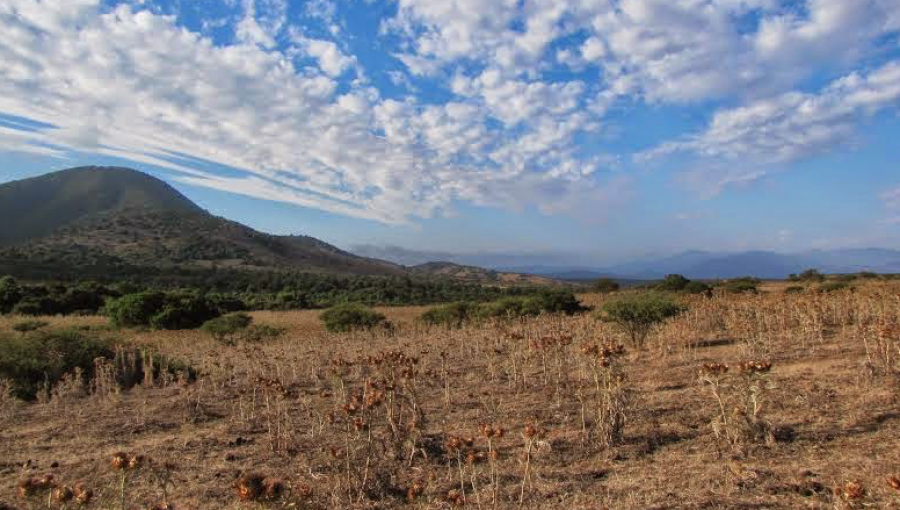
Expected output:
(746, 401)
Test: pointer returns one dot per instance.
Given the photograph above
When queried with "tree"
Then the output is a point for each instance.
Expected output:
(10, 293)
(673, 283)
(639, 314)
(605, 285)
(811, 275)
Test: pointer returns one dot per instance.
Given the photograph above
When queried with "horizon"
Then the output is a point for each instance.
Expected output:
(549, 130)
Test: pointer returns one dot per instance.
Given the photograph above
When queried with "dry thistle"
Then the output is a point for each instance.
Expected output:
(273, 489)
(83, 495)
(853, 490)
(250, 487)
(119, 461)
(713, 369)
(63, 495)
(893, 482)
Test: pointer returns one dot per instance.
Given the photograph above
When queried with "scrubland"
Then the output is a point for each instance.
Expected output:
(745, 401)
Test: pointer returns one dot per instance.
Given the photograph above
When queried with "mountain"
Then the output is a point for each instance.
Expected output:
(101, 220)
(762, 264)
(43, 204)
(479, 275)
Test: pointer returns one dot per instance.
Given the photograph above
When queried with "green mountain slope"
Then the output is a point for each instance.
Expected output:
(91, 221)
(36, 207)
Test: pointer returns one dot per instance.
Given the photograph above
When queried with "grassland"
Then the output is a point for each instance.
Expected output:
(539, 413)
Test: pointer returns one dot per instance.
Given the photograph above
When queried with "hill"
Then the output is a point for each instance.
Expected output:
(480, 275)
(96, 220)
(43, 204)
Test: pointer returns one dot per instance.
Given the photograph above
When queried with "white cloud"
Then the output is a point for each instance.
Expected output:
(263, 20)
(329, 56)
(741, 144)
(133, 84)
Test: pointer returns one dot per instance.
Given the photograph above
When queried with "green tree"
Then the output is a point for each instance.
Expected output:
(225, 329)
(605, 285)
(639, 314)
(351, 316)
(10, 294)
(673, 283)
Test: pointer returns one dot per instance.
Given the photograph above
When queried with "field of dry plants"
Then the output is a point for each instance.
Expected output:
(748, 401)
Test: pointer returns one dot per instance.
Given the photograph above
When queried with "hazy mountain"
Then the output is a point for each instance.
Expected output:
(763, 264)
(492, 260)
(92, 219)
(36, 207)
(480, 275)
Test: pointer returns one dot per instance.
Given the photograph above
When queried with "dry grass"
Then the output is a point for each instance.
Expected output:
(498, 415)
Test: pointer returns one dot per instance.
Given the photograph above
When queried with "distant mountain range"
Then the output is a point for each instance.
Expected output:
(709, 265)
(693, 264)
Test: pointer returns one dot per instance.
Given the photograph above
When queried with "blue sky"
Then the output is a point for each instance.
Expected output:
(593, 130)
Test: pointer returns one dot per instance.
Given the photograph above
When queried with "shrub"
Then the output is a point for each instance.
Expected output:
(36, 305)
(639, 314)
(161, 311)
(833, 287)
(44, 357)
(29, 326)
(741, 285)
(351, 316)
(225, 328)
(133, 310)
(695, 287)
(673, 283)
(453, 315)
(811, 275)
(556, 301)
(184, 311)
(261, 332)
(794, 289)
(10, 294)
(605, 285)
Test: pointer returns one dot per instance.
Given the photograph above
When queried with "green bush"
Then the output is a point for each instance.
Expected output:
(639, 314)
(184, 311)
(35, 306)
(261, 332)
(695, 287)
(810, 275)
(453, 315)
(605, 285)
(134, 310)
(741, 285)
(556, 301)
(351, 316)
(225, 329)
(161, 311)
(673, 283)
(42, 358)
(10, 294)
(29, 326)
(833, 287)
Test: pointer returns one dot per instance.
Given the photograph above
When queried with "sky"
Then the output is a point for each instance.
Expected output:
(591, 131)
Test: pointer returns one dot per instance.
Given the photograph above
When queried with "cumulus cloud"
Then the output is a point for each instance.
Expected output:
(127, 82)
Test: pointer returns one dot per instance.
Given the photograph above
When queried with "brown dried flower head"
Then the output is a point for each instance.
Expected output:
(119, 461)
(83, 495)
(893, 482)
(273, 489)
(854, 490)
(249, 487)
(64, 494)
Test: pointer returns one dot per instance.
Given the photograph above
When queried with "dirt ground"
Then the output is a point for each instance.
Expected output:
(538, 413)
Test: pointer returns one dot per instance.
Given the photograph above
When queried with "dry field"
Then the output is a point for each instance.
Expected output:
(541, 413)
